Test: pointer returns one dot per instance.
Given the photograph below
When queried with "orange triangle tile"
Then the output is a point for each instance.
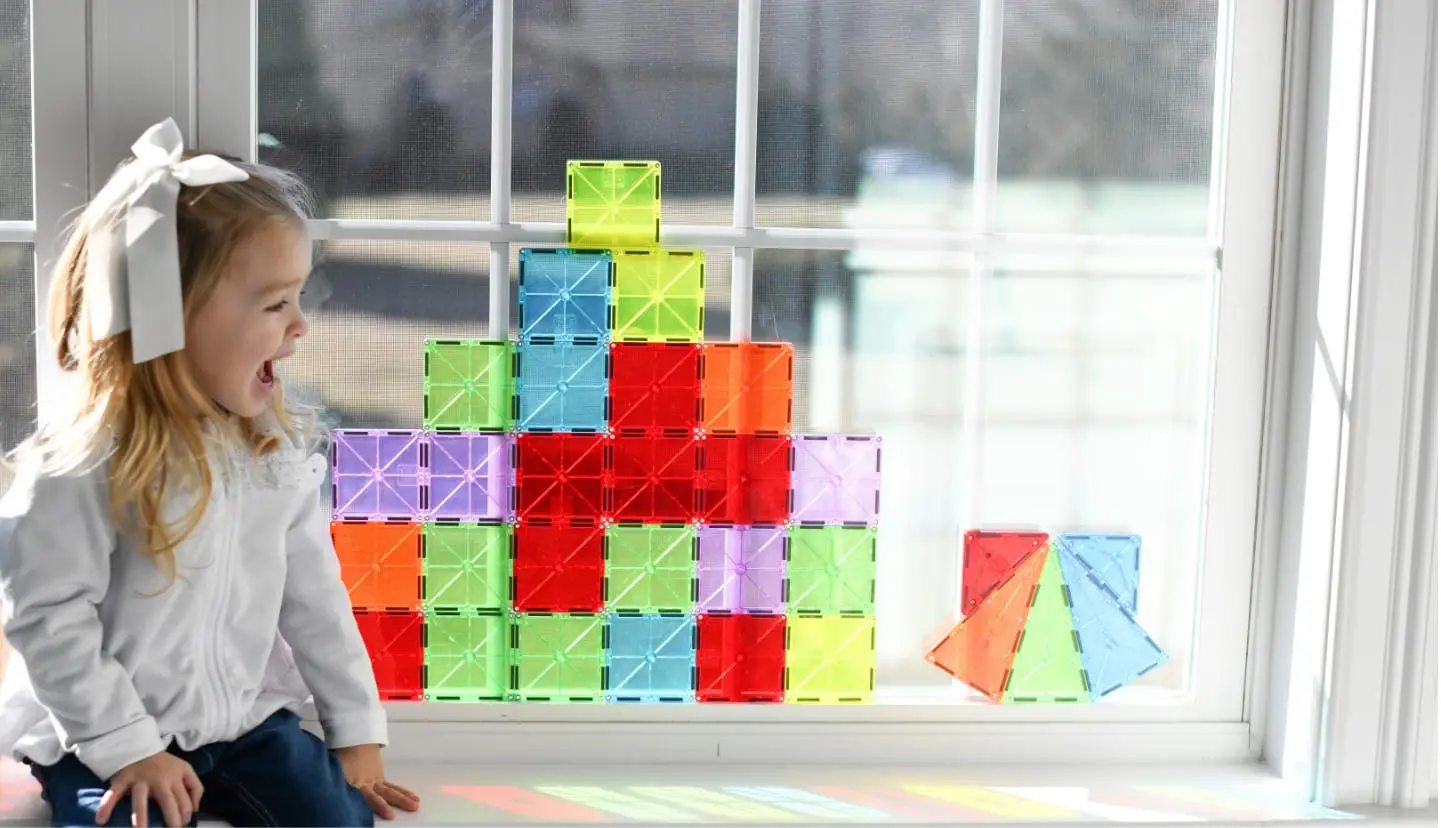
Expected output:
(980, 649)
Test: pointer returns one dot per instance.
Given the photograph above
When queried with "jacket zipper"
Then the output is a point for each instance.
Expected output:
(222, 602)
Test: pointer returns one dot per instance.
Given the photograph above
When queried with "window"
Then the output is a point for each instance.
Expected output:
(991, 231)
(17, 280)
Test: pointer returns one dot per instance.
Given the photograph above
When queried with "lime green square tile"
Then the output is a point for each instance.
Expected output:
(659, 296)
(612, 203)
(466, 657)
(830, 659)
(469, 385)
(831, 569)
(557, 658)
(466, 566)
(650, 568)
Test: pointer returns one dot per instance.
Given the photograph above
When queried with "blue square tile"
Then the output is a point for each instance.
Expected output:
(651, 658)
(563, 386)
(565, 294)
(1116, 560)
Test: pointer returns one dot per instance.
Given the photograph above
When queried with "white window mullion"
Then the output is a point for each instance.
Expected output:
(502, 63)
(17, 231)
(226, 57)
(984, 182)
(986, 166)
(1187, 252)
(748, 65)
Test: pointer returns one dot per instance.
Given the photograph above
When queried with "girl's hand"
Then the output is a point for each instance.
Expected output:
(165, 778)
(366, 773)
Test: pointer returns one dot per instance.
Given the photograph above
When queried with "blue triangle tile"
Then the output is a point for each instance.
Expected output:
(1114, 649)
(1116, 560)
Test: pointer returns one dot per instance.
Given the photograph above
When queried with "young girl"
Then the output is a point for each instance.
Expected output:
(167, 580)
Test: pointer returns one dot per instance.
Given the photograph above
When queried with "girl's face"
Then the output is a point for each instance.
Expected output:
(251, 320)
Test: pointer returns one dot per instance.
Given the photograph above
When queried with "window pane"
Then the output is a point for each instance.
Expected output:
(848, 86)
(1093, 417)
(384, 106)
(17, 344)
(1106, 116)
(371, 306)
(639, 80)
(15, 158)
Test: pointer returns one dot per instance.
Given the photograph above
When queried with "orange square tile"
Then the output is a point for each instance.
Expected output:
(380, 563)
(746, 387)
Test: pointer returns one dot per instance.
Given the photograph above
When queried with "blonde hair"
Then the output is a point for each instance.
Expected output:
(150, 421)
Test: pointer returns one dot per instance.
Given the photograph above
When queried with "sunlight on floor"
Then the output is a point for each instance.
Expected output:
(749, 795)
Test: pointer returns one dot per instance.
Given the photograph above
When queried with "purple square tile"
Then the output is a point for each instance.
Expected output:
(376, 474)
(470, 477)
(837, 479)
(741, 568)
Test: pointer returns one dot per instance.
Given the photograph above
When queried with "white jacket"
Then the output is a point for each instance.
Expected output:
(105, 669)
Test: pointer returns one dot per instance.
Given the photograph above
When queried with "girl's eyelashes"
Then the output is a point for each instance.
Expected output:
(283, 303)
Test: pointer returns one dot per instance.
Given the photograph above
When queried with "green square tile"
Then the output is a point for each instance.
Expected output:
(659, 296)
(466, 656)
(650, 568)
(557, 658)
(466, 566)
(469, 385)
(831, 569)
(612, 203)
(830, 659)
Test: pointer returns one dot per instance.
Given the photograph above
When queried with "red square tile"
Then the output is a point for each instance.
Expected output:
(395, 643)
(654, 386)
(740, 658)
(559, 566)
(745, 479)
(562, 476)
(654, 478)
(990, 558)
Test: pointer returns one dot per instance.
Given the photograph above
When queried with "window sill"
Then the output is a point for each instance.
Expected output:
(565, 734)
(918, 706)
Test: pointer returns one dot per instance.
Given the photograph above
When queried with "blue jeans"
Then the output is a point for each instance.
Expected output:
(277, 774)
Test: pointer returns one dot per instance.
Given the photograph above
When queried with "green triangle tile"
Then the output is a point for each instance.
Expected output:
(1047, 667)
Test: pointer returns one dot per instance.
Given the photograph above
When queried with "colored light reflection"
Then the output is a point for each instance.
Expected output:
(904, 803)
(525, 803)
(899, 802)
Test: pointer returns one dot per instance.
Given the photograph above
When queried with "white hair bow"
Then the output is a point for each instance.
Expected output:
(133, 263)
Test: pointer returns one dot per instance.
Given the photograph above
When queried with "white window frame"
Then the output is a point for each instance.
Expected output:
(204, 76)
(60, 118)
(1352, 696)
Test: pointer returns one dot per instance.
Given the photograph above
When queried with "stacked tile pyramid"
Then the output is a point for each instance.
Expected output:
(1048, 619)
(611, 509)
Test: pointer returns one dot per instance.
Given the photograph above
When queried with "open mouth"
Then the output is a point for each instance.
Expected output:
(266, 374)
